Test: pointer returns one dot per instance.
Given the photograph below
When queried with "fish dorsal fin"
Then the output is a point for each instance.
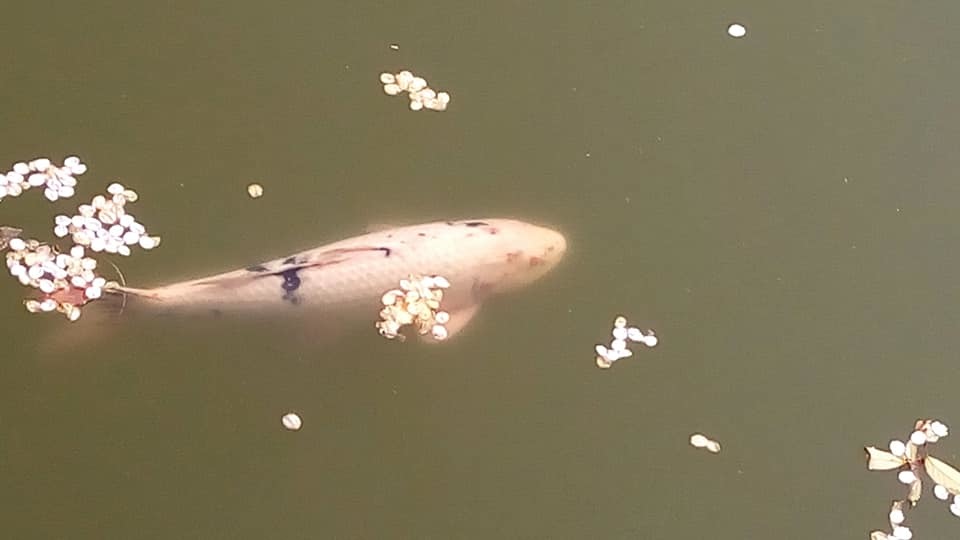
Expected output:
(458, 320)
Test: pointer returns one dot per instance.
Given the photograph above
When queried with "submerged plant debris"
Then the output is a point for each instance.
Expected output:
(913, 462)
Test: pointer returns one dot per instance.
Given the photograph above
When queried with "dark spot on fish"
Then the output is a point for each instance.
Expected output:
(257, 268)
(536, 261)
(493, 230)
(291, 282)
(290, 260)
(421, 234)
(390, 235)
(475, 223)
(551, 248)
(513, 256)
(451, 223)
(386, 251)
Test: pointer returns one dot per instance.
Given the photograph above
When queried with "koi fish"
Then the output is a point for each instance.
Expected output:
(347, 278)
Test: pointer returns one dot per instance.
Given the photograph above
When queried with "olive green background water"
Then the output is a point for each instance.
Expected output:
(781, 209)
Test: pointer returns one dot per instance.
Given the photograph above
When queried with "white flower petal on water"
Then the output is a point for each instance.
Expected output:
(62, 220)
(392, 89)
(620, 322)
(736, 30)
(443, 98)
(442, 317)
(60, 231)
(65, 192)
(388, 78)
(389, 298)
(601, 350)
(896, 516)
(46, 286)
(618, 345)
(906, 477)
(148, 242)
(292, 421)
(115, 188)
(620, 333)
(699, 440)
(17, 244)
(918, 438)
(417, 84)
(939, 428)
(123, 250)
(902, 533)
(416, 105)
(93, 292)
(603, 362)
(48, 304)
(439, 332)
(37, 179)
(441, 282)
(650, 340)
(51, 194)
(255, 191)
(35, 271)
(404, 78)
(131, 237)
(941, 492)
(33, 306)
(40, 164)
(78, 282)
(21, 168)
(897, 448)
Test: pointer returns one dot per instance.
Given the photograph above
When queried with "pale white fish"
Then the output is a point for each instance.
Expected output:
(346, 279)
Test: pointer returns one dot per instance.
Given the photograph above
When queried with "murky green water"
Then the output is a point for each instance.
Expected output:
(780, 208)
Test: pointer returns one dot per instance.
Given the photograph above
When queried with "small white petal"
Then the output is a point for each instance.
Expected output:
(123, 250)
(439, 332)
(71, 161)
(17, 244)
(955, 509)
(48, 304)
(388, 78)
(699, 440)
(939, 428)
(93, 292)
(21, 168)
(131, 237)
(620, 322)
(618, 345)
(62, 220)
(98, 244)
(65, 192)
(896, 516)
(902, 533)
(115, 188)
(46, 286)
(51, 194)
(148, 242)
(392, 89)
(441, 282)
(78, 282)
(60, 231)
(37, 179)
(601, 350)
(442, 317)
(620, 333)
(292, 422)
(99, 282)
(906, 477)
(918, 438)
(941, 492)
(77, 252)
(416, 105)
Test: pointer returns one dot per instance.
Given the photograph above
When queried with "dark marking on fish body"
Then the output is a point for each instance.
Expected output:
(257, 268)
(476, 223)
(290, 260)
(291, 282)
(386, 251)
(493, 230)
(421, 234)
(536, 261)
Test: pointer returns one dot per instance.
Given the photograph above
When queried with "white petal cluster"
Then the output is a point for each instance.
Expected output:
(104, 224)
(57, 181)
(66, 280)
(421, 95)
(617, 350)
(912, 461)
(699, 440)
(417, 303)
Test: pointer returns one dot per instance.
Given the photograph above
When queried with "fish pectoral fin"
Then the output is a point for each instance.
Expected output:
(458, 320)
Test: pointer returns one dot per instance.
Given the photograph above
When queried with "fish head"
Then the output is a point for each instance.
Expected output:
(519, 253)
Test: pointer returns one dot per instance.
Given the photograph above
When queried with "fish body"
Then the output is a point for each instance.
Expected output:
(478, 257)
